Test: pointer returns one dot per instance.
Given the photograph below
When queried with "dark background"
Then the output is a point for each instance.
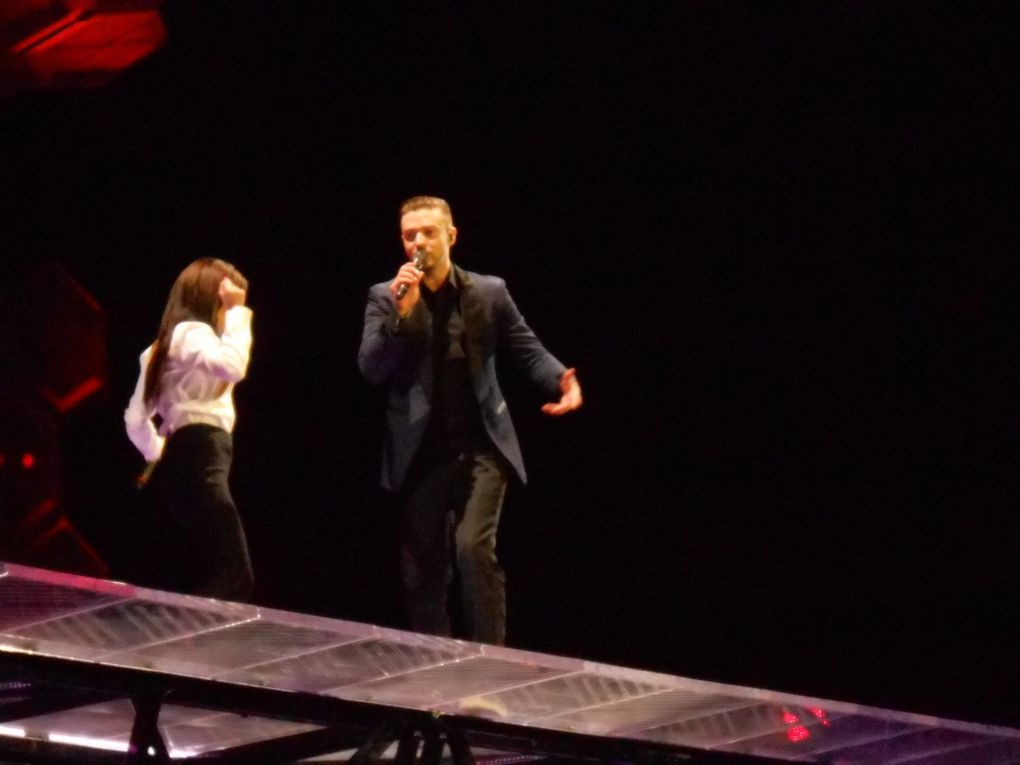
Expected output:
(777, 241)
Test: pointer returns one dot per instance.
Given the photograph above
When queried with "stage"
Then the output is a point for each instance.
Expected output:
(101, 671)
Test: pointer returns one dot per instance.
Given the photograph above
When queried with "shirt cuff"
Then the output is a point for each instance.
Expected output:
(237, 318)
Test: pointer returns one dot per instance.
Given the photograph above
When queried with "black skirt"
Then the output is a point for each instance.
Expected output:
(195, 542)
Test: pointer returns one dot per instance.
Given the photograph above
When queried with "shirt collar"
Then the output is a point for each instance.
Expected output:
(452, 282)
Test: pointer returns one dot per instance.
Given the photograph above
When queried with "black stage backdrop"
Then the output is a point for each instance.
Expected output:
(776, 240)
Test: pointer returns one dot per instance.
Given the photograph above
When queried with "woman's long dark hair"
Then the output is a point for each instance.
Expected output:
(195, 296)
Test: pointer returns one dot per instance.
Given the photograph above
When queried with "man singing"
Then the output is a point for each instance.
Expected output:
(433, 336)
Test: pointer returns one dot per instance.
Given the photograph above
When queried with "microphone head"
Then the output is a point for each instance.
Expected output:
(419, 258)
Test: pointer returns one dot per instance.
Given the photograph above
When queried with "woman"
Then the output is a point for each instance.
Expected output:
(187, 380)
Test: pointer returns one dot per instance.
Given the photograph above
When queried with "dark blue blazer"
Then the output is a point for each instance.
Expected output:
(396, 354)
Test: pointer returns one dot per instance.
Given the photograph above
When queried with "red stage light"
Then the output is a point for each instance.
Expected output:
(821, 715)
(798, 733)
(28, 460)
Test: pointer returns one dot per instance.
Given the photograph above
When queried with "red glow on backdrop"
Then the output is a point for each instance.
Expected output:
(71, 399)
(98, 46)
(46, 511)
(58, 19)
(57, 361)
(47, 43)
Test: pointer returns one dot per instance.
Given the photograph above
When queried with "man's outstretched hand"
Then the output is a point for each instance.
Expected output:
(571, 398)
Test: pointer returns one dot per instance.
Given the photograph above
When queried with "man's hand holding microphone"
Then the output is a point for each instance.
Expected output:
(404, 288)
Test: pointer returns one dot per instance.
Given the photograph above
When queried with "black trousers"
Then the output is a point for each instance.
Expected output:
(197, 544)
(450, 511)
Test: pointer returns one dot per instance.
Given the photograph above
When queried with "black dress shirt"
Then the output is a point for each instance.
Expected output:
(455, 424)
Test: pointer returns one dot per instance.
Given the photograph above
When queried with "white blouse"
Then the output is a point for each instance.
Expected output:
(199, 374)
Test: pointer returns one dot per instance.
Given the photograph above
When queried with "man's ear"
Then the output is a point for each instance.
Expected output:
(452, 230)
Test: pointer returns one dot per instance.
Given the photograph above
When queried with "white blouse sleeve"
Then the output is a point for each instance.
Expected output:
(138, 417)
(224, 356)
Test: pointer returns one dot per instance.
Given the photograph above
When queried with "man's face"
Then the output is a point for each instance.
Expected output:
(430, 230)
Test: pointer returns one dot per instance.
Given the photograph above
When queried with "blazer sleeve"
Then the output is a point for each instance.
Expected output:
(525, 349)
(385, 337)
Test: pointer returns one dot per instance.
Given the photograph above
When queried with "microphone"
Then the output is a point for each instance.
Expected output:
(419, 263)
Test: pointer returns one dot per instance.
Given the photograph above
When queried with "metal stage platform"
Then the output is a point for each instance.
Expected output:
(100, 671)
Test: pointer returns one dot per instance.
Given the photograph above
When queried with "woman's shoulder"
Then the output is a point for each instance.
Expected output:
(186, 331)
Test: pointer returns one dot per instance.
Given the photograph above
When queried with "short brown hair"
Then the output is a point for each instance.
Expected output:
(426, 202)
